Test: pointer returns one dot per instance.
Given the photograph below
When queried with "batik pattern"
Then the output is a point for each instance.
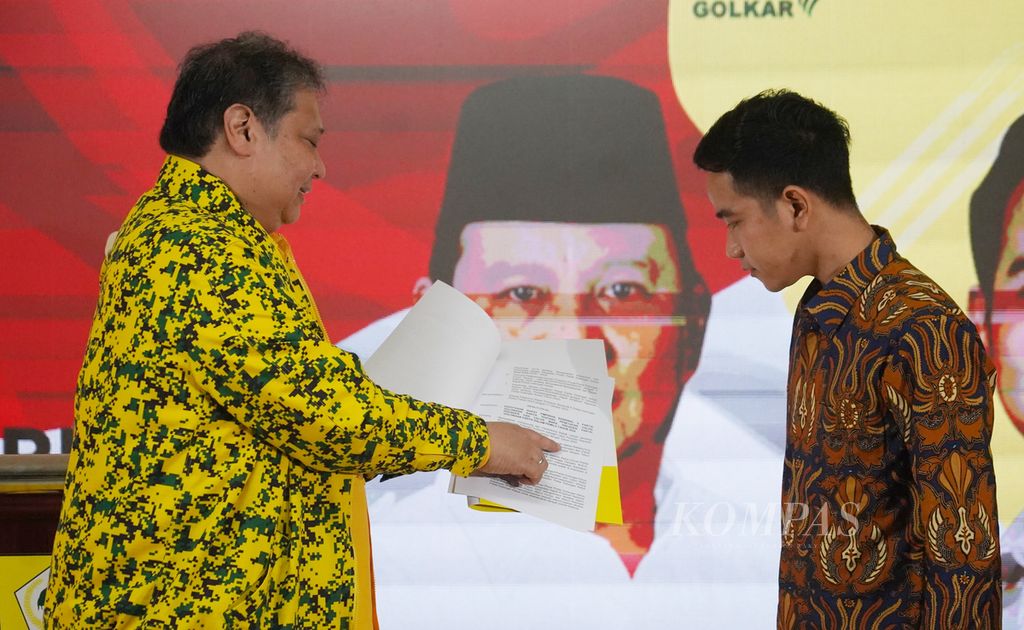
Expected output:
(889, 504)
(221, 441)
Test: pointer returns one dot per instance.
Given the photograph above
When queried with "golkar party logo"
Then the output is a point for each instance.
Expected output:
(750, 8)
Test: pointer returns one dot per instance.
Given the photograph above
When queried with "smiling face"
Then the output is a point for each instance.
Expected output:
(619, 282)
(284, 164)
(762, 239)
(1008, 318)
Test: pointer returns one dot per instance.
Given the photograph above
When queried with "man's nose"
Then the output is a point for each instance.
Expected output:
(567, 317)
(577, 317)
(732, 248)
(319, 168)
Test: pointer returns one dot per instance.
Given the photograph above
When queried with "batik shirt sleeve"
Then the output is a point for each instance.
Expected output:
(940, 386)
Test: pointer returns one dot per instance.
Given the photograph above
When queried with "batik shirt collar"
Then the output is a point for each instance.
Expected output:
(828, 305)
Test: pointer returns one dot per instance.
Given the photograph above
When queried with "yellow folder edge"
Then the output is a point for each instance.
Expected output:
(609, 500)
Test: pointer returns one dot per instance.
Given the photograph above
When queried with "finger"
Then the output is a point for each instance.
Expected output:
(544, 441)
(549, 445)
(536, 471)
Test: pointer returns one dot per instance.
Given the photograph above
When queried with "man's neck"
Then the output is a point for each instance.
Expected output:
(841, 239)
(215, 164)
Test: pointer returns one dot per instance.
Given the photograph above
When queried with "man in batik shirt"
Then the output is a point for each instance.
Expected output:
(889, 503)
(221, 441)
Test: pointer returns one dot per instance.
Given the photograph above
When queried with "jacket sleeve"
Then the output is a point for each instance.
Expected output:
(257, 348)
(941, 386)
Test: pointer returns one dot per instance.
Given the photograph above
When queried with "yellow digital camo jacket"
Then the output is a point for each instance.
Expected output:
(221, 440)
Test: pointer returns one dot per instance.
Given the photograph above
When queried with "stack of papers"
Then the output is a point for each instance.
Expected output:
(447, 350)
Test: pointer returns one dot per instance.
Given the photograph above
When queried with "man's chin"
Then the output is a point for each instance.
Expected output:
(772, 286)
(291, 216)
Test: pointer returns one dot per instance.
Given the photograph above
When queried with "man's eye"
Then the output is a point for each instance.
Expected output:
(625, 291)
(522, 294)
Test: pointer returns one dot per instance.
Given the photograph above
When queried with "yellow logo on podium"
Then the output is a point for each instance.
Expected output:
(30, 599)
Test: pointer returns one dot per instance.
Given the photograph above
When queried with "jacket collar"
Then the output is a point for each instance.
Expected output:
(182, 178)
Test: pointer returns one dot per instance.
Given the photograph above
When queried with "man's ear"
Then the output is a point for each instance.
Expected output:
(110, 243)
(420, 287)
(241, 129)
(797, 205)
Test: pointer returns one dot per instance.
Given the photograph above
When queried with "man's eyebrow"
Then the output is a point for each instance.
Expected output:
(1016, 266)
(724, 213)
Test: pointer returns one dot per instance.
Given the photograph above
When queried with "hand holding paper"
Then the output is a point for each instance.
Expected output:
(517, 454)
(556, 390)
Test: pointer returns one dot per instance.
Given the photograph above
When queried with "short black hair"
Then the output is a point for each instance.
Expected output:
(779, 138)
(253, 69)
(990, 205)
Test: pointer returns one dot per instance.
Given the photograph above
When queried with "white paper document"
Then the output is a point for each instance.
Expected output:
(442, 351)
(447, 350)
(543, 385)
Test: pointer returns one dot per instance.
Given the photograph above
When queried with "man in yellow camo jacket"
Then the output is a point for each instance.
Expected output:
(221, 440)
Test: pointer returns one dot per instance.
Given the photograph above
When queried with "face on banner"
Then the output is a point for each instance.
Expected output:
(997, 308)
(561, 218)
(997, 242)
(1008, 328)
(620, 283)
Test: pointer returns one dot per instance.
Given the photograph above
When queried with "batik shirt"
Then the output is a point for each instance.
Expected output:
(221, 441)
(889, 497)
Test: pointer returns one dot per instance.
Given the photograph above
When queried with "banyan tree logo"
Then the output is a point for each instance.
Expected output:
(751, 8)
